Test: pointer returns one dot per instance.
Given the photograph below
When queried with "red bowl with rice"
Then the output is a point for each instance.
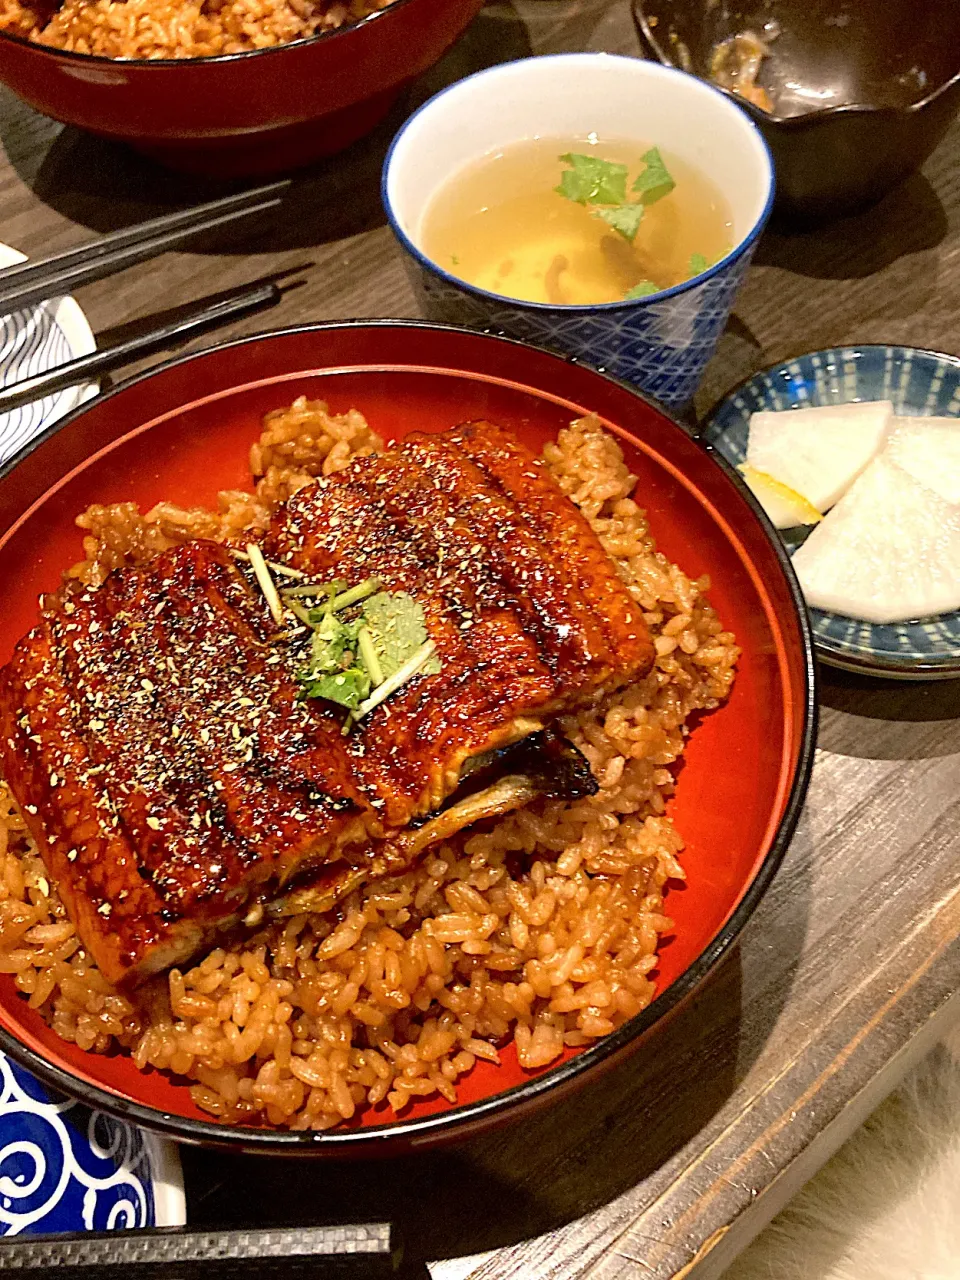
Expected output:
(621, 904)
(254, 112)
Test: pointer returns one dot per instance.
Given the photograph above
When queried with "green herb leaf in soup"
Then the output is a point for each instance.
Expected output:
(398, 629)
(698, 264)
(626, 219)
(586, 241)
(654, 182)
(590, 180)
(642, 289)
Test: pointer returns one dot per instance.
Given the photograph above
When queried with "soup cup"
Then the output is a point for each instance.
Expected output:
(660, 342)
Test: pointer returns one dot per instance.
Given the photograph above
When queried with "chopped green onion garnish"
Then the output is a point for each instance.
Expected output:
(399, 678)
(301, 613)
(316, 588)
(360, 592)
(282, 569)
(259, 566)
(369, 655)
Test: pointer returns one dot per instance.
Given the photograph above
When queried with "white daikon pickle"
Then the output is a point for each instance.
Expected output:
(929, 448)
(786, 508)
(887, 552)
(819, 452)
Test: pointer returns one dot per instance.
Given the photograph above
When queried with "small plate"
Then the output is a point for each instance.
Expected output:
(919, 383)
(32, 341)
(64, 1167)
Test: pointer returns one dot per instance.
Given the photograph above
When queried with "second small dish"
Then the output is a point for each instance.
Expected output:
(918, 383)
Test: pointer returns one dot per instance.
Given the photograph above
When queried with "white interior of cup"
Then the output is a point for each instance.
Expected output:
(575, 94)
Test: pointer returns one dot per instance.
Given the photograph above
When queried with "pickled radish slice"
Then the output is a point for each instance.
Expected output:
(929, 448)
(819, 452)
(786, 508)
(887, 552)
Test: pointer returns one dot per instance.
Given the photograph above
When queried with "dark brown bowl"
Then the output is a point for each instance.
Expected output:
(862, 90)
(243, 114)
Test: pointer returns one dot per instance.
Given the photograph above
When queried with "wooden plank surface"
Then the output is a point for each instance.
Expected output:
(669, 1165)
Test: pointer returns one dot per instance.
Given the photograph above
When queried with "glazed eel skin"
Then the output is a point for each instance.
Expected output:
(153, 733)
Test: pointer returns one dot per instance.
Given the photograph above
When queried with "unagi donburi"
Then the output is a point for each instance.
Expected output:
(318, 799)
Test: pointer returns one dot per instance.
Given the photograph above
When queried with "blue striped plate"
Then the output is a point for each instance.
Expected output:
(32, 341)
(918, 382)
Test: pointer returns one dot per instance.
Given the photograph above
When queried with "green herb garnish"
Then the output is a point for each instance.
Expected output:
(332, 671)
(625, 218)
(359, 662)
(654, 182)
(593, 181)
(698, 263)
(590, 180)
(347, 688)
(397, 629)
(333, 644)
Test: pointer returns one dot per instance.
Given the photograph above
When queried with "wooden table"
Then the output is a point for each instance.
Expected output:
(845, 974)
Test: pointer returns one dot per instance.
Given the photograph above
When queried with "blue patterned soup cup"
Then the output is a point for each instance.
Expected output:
(64, 1167)
(660, 342)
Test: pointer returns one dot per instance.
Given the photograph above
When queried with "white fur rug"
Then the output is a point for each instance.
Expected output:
(887, 1206)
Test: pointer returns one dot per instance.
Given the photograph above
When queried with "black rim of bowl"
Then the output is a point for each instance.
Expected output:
(797, 122)
(367, 1140)
(947, 668)
(159, 65)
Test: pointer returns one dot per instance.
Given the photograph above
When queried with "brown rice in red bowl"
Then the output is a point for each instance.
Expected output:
(514, 949)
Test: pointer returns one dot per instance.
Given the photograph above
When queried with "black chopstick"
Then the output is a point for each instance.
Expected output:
(26, 283)
(205, 315)
(355, 1249)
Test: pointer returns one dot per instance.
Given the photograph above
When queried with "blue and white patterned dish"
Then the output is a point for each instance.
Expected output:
(662, 342)
(918, 383)
(32, 341)
(66, 1168)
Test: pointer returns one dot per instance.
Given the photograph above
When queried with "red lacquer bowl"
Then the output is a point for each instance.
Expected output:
(244, 114)
(183, 432)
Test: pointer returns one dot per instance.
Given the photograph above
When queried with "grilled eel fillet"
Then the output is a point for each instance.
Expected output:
(152, 732)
